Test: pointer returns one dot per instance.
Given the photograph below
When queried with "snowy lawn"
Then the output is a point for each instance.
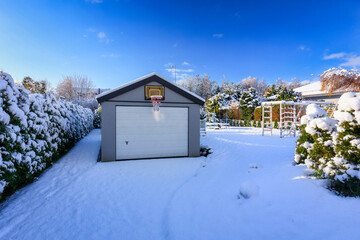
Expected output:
(246, 189)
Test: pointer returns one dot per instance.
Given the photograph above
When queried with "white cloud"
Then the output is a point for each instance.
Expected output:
(185, 63)
(111, 55)
(94, 1)
(181, 74)
(218, 35)
(303, 48)
(180, 70)
(101, 35)
(334, 55)
(350, 59)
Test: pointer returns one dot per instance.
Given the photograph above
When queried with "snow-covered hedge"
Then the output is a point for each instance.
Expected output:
(332, 147)
(97, 118)
(35, 130)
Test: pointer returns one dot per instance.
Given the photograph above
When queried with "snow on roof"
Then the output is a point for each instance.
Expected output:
(312, 89)
(144, 77)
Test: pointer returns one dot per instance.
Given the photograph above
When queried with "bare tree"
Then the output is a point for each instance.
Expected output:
(261, 87)
(65, 89)
(282, 83)
(78, 87)
(249, 82)
(295, 83)
(252, 82)
(205, 87)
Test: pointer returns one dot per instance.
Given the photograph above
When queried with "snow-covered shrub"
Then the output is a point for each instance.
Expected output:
(347, 142)
(97, 118)
(346, 180)
(279, 93)
(348, 115)
(212, 105)
(248, 101)
(34, 131)
(315, 145)
(90, 103)
(305, 141)
(332, 148)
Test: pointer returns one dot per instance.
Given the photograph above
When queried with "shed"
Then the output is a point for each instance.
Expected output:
(131, 129)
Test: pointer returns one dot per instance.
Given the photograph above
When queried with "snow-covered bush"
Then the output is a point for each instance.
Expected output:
(347, 142)
(279, 93)
(248, 101)
(97, 118)
(305, 141)
(348, 139)
(332, 147)
(315, 145)
(90, 103)
(34, 131)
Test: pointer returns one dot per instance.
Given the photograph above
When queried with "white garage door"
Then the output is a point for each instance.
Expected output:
(144, 133)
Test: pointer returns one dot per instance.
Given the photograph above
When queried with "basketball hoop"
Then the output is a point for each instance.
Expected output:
(156, 100)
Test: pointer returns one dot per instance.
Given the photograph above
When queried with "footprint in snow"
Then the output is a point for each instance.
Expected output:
(248, 190)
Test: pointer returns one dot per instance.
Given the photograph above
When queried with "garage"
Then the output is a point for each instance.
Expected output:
(133, 127)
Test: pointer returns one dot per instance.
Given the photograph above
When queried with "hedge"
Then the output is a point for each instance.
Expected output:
(35, 130)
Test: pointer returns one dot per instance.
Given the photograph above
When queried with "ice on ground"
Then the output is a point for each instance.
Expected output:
(177, 198)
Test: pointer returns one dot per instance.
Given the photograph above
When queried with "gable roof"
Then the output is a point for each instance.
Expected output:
(152, 77)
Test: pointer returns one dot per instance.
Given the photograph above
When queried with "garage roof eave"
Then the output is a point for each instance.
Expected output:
(142, 81)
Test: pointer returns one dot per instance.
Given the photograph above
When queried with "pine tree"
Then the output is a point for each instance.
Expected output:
(248, 101)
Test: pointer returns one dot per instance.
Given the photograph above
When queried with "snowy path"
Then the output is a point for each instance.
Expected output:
(191, 198)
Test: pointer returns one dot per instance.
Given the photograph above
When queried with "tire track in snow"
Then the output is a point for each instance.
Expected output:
(165, 222)
(218, 152)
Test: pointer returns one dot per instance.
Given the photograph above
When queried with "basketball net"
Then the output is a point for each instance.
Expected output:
(156, 100)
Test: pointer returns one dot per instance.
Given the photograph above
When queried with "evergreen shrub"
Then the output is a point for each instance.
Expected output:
(35, 130)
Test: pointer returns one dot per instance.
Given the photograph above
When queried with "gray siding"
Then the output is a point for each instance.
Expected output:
(135, 97)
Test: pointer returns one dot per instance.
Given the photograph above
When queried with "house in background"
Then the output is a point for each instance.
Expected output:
(312, 92)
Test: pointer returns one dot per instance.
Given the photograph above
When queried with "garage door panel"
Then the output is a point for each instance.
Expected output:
(151, 134)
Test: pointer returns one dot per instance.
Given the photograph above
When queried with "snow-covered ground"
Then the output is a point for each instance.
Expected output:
(246, 189)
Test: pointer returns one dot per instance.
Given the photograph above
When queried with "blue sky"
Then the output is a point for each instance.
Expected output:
(114, 42)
